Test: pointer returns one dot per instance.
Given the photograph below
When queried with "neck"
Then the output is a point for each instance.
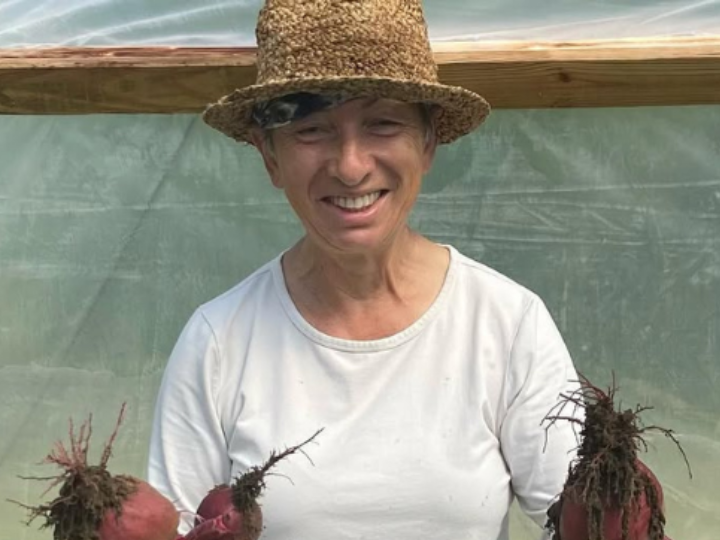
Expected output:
(365, 296)
(357, 276)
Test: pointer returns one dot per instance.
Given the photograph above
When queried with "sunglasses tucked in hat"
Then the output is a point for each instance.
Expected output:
(349, 48)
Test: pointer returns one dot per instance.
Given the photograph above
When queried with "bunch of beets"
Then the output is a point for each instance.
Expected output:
(93, 504)
(609, 494)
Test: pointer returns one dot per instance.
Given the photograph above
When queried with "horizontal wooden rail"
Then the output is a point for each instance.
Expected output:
(640, 72)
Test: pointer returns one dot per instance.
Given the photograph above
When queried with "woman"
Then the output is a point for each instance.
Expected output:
(430, 372)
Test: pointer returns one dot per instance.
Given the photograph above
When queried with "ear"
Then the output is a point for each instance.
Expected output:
(268, 156)
(432, 143)
(429, 153)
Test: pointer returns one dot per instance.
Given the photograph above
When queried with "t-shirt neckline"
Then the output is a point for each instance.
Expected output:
(373, 345)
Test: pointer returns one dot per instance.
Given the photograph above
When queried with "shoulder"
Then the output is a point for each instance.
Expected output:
(243, 300)
(479, 284)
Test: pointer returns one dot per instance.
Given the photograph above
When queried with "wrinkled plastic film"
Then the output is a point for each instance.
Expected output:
(113, 228)
(232, 22)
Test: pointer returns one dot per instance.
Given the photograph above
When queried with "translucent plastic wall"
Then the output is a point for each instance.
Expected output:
(114, 228)
(232, 22)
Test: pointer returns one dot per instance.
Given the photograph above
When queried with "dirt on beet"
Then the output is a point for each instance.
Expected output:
(248, 487)
(87, 491)
(606, 471)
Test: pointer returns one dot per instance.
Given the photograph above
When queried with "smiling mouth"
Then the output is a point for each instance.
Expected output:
(356, 204)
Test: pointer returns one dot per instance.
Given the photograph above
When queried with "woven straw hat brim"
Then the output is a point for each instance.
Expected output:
(461, 111)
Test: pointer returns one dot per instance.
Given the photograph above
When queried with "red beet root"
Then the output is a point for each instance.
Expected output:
(218, 519)
(145, 515)
(95, 505)
(214, 504)
(609, 493)
(574, 523)
(232, 512)
(230, 525)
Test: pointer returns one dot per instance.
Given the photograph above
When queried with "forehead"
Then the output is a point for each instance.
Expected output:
(359, 108)
(371, 104)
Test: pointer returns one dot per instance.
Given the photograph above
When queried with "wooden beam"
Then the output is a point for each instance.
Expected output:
(642, 72)
(618, 73)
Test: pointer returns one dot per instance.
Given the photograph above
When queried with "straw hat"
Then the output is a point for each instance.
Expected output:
(376, 48)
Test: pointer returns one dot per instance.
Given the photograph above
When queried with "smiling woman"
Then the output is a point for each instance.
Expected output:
(352, 173)
(430, 372)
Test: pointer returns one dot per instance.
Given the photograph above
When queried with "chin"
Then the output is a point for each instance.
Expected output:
(358, 244)
(359, 241)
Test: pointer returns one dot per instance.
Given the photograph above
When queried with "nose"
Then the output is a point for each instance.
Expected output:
(353, 162)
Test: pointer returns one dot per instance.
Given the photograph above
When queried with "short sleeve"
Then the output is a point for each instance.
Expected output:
(188, 450)
(537, 454)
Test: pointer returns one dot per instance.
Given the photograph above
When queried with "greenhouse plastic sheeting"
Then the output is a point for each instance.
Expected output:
(232, 22)
(114, 228)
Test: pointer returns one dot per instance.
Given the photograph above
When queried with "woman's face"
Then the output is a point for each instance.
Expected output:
(353, 172)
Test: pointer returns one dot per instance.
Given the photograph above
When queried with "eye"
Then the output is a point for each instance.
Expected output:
(385, 126)
(310, 133)
(386, 122)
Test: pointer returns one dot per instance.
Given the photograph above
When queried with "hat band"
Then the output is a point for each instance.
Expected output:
(282, 110)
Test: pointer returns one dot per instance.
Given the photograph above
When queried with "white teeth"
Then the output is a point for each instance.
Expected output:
(357, 203)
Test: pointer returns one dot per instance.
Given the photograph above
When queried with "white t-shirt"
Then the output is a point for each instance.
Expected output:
(429, 433)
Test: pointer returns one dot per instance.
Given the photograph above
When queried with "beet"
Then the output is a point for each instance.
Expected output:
(214, 504)
(574, 522)
(145, 515)
(609, 494)
(95, 505)
(232, 512)
(229, 525)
